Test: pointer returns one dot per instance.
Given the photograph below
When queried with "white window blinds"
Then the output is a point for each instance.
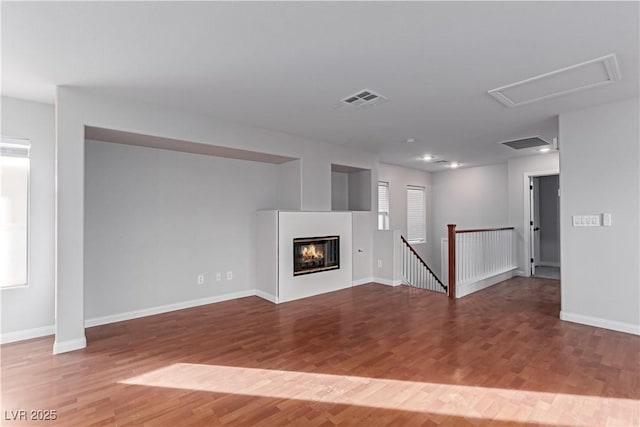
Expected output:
(14, 211)
(416, 218)
(383, 205)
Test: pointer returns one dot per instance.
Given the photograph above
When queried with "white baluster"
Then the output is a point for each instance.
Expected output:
(490, 252)
(467, 262)
(402, 260)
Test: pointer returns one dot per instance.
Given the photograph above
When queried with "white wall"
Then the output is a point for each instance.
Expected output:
(266, 253)
(76, 108)
(363, 226)
(601, 173)
(398, 178)
(470, 198)
(549, 208)
(518, 197)
(155, 219)
(29, 311)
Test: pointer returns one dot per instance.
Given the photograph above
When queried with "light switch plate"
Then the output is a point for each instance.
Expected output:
(586, 220)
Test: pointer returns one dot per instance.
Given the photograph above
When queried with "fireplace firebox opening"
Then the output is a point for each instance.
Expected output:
(315, 254)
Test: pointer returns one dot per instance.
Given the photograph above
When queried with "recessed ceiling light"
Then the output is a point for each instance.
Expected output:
(454, 165)
(427, 157)
(544, 149)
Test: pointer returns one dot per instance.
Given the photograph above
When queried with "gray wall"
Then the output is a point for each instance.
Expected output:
(549, 208)
(339, 191)
(386, 250)
(601, 174)
(155, 219)
(32, 307)
(360, 191)
(351, 191)
(290, 185)
(398, 178)
(470, 198)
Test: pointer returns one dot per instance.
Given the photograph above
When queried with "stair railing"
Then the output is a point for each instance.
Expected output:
(478, 253)
(416, 272)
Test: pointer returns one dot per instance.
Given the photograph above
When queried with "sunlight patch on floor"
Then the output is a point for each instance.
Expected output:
(446, 399)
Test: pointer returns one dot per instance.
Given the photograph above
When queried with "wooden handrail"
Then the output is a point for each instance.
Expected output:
(482, 230)
(407, 244)
(451, 233)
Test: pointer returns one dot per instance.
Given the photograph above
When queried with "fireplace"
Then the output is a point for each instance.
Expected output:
(315, 254)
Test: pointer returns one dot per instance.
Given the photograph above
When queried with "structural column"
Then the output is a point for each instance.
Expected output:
(69, 217)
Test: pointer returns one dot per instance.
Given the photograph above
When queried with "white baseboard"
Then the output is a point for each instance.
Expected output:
(27, 334)
(387, 281)
(598, 322)
(69, 345)
(548, 264)
(64, 346)
(364, 281)
(521, 273)
(465, 289)
(119, 317)
(267, 296)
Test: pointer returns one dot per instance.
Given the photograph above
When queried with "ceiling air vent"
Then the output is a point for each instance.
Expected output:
(520, 144)
(364, 99)
(586, 75)
(441, 161)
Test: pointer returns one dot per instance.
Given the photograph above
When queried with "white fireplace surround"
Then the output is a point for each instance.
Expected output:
(274, 253)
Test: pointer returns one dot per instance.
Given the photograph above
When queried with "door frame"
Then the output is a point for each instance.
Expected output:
(526, 229)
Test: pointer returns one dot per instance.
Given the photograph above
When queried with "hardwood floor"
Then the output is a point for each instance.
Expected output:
(369, 355)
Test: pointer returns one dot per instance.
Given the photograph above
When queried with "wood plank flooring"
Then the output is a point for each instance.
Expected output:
(370, 355)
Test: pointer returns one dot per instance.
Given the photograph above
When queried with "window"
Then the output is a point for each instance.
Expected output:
(383, 205)
(14, 210)
(416, 218)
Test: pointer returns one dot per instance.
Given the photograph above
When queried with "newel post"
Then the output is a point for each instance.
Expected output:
(451, 236)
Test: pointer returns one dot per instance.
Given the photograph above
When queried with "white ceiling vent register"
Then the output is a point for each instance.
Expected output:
(364, 99)
(586, 75)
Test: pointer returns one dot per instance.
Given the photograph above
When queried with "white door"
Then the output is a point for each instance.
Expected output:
(534, 223)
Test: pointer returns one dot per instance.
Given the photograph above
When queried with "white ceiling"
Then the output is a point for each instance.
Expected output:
(285, 65)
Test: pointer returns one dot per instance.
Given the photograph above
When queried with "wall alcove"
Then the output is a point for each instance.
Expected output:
(350, 188)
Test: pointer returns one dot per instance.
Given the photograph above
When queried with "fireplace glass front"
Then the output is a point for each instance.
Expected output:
(315, 254)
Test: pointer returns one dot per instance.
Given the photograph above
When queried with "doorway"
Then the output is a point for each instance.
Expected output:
(544, 226)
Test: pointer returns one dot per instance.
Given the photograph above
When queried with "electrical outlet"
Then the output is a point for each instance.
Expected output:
(229, 275)
(379, 263)
(218, 277)
(200, 279)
